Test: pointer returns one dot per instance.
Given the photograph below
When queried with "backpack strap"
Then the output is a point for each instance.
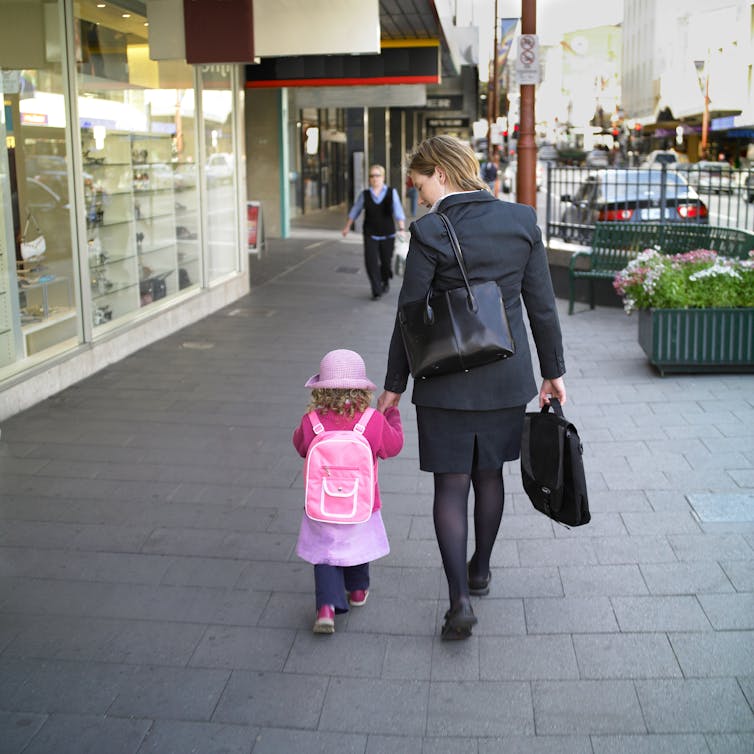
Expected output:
(361, 424)
(317, 425)
(359, 427)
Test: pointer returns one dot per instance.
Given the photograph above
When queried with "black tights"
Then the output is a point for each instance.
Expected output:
(450, 513)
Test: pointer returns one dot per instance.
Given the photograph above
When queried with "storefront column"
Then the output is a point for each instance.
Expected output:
(396, 149)
(265, 135)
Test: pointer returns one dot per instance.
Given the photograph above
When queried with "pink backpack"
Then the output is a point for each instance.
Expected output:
(339, 473)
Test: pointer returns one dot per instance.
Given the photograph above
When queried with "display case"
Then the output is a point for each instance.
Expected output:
(139, 249)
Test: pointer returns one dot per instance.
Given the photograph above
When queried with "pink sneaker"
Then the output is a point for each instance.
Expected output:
(358, 597)
(325, 622)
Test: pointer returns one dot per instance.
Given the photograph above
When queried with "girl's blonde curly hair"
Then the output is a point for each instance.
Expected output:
(342, 401)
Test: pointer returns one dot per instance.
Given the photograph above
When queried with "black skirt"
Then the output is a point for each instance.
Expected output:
(460, 441)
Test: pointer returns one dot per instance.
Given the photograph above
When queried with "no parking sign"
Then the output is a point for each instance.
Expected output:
(527, 59)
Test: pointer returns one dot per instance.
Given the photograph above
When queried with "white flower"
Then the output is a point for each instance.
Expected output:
(716, 270)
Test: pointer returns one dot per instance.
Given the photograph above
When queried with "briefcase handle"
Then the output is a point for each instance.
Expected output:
(554, 404)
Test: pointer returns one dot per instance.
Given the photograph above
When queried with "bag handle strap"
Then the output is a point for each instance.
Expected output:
(554, 404)
(31, 219)
(459, 256)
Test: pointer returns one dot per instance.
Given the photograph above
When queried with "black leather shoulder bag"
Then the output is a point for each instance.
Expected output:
(455, 330)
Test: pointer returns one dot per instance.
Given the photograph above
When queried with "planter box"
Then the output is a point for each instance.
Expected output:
(698, 340)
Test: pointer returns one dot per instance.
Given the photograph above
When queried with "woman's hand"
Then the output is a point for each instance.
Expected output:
(553, 388)
(387, 400)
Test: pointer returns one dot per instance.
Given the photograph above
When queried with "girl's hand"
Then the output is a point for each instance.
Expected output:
(554, 388)
(387, 400)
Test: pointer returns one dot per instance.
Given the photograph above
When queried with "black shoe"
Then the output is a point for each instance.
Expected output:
(385, 286)
(458, 623)
(479, 587)
(375, 296)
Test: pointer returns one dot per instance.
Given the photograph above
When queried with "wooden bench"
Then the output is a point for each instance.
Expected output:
(614, 245)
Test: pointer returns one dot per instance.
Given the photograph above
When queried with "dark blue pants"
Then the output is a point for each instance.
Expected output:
(332, 582)
(378, 258)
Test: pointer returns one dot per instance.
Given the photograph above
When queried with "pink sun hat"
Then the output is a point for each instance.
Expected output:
(341, 369)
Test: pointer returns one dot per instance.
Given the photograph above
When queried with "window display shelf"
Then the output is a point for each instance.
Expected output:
(117, 288)
(110, 261)
(167, 245)
(133, 231)
(112, 223)
(157, 216)
(94, 166)
(53, 318)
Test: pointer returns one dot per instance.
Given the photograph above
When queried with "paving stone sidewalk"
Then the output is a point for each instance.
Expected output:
(151, 600)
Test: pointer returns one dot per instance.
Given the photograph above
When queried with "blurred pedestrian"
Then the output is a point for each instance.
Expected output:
(413, 196)
(489, 172)
(382, 208)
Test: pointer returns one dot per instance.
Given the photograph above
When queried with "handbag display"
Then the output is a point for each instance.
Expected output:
(552, 469)
(35, 248)
(455, 330)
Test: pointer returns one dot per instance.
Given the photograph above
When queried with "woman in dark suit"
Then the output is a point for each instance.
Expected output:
(470, 423)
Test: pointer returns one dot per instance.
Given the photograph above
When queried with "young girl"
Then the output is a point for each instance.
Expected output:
(341, 553)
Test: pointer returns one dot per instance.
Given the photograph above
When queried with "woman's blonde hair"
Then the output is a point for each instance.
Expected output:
(452, 156)
(343, 401)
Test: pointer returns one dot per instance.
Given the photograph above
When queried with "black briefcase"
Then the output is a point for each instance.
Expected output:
(552, 469)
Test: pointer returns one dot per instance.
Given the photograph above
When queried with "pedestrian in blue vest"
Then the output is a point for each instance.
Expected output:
(382, 208)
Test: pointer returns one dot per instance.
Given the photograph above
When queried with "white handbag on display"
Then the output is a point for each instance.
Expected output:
(35, 248)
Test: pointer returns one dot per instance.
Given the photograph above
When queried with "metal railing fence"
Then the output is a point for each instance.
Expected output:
(577, 197)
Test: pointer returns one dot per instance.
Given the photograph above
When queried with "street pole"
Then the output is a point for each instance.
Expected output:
(703, 149)
(492, 92)
(526, 182)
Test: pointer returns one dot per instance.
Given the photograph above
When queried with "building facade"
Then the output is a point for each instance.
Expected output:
(137, 133)
(122, 192)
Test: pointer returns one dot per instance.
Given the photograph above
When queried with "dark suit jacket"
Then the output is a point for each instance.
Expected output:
(500, 241)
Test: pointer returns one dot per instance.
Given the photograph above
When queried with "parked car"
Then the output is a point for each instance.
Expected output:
(658, 157)
(597, 158)
(547, 153)
(711, 177)
(220, 168)
(619, 195)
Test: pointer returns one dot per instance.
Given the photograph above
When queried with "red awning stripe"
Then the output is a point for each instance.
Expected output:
(344, 82)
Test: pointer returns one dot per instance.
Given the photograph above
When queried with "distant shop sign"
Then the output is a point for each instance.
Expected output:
(448, 122)
(445, 102)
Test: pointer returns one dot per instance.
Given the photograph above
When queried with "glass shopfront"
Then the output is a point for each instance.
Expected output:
(38, 301)
(139, 155)
(118, 176)
(220, 172)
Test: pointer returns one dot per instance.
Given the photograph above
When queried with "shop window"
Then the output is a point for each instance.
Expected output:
(38, 313)
(137, 120)
(221, 219)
